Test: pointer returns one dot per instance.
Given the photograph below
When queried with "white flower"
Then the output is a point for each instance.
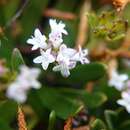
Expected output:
(29, 76)
(55, 38)
(125, 101)
(64, 60)
(17, 93)
(65, 54)
(38, 41)
(57, 29)
(45, 59)
(63, 68)
(26, 80)
(81, 56)
(118, 80)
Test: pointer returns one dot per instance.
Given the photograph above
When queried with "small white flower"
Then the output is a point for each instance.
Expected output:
(38, 41)
(65, 56)
(55, 38)
(125, 101)
(16, 92)
(45, 59)
(26, 80)
(67, 52)
(118, 80)
(81, 56)
(57, 29)
(29, 77)
(64, 60)
(63, 68)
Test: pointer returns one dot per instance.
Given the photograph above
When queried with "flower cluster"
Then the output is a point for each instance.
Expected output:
(121, 83)
(53, 50)
(26, 80)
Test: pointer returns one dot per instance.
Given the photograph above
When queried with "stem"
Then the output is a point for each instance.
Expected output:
(18, 14)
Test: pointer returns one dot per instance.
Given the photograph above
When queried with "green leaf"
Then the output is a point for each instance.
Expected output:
(89, 72)
(8, 113)
(6, 48)
(16, 59)
(8, 110)
(63, 106)
(2, 16)
(91, 100)
(4, 125)
(98, 125)
(82, 74)
(37, 105)
(111, 119)
(125, 125)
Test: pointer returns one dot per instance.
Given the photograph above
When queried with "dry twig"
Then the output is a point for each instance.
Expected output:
(59, 14)
(83, 25)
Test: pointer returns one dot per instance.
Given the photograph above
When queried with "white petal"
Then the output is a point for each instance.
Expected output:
(72, 65)
(51, 59)
(57, 68)
(65, 32)
(62, 47)
(126, 96)
(35, 47)
(38, 59)
(52, 23)
(65, 72)
(21, 98)
(35, 72)
(128, 108)
(36, 84)
(48, 51)
(121, 102)
(37, 33)
(85, 52)
(16, 93)
(124, 77)
(31, 41)
(45, 65)
(84, 61)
